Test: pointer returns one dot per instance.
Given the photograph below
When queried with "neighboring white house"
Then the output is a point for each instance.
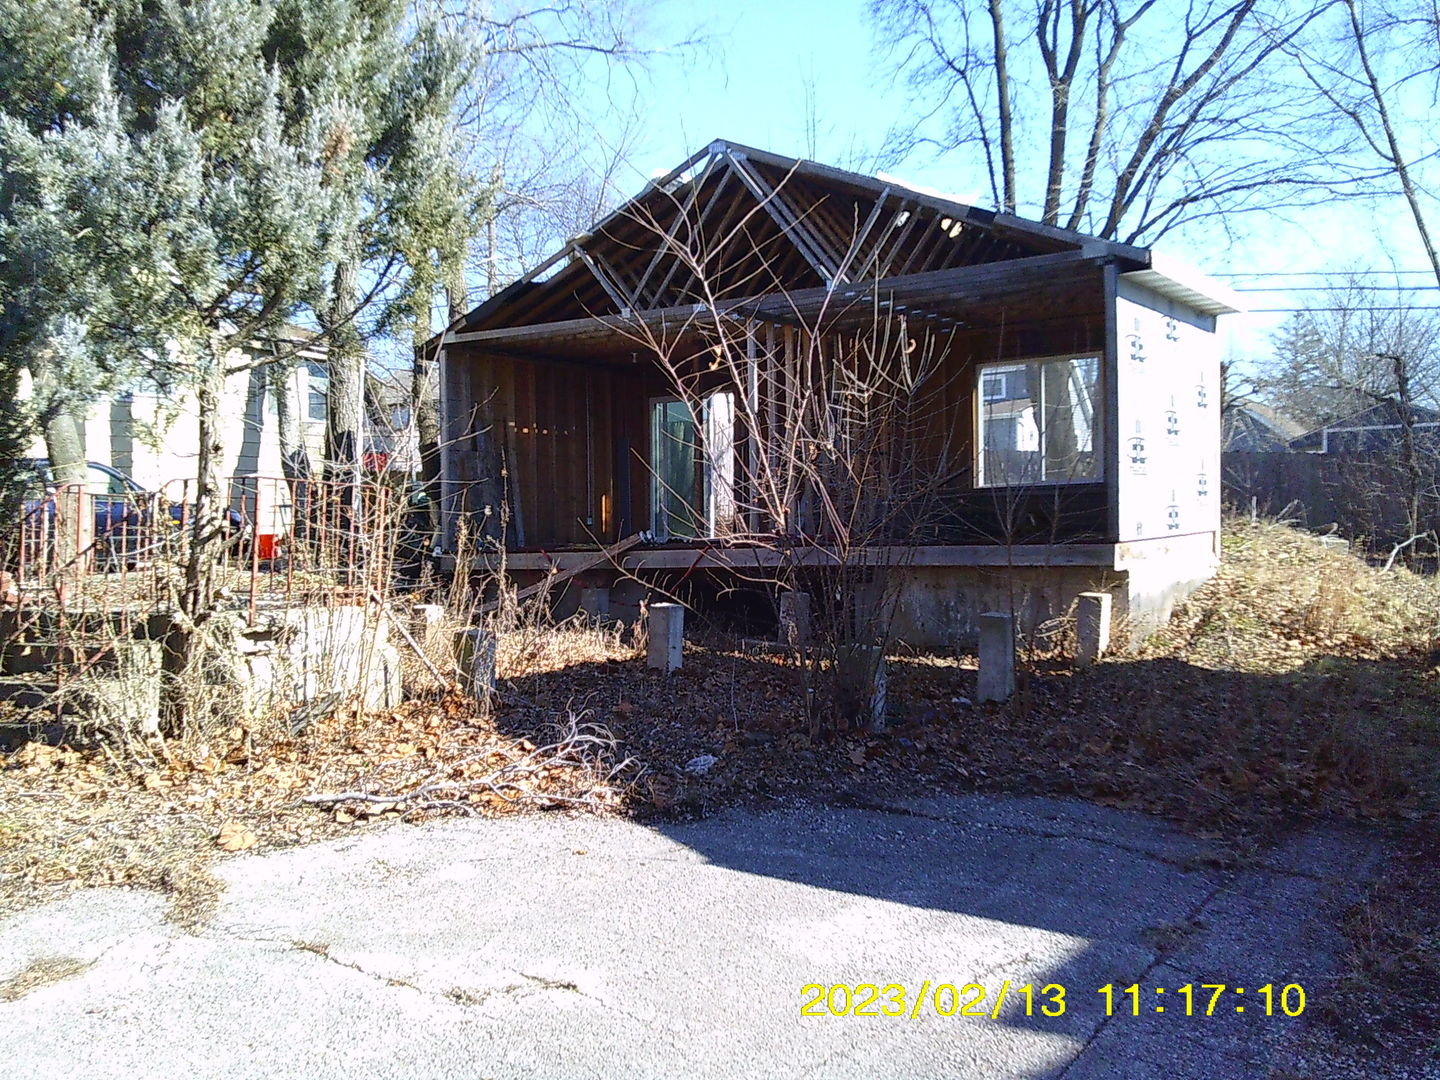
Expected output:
(154, 437)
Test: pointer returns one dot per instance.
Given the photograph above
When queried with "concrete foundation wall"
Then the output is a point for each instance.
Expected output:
(937, 607)
(1161, 573)
(298, 655)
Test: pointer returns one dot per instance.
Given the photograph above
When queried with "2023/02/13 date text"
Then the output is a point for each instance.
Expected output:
(988, 1002)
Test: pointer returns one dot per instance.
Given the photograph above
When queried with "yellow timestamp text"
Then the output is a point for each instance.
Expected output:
(947, 999)
(943, 999)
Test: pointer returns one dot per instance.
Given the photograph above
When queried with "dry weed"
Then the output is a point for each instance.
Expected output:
(42, 972)
(1294, 683)
(155, 814)
(1283, 597)
(536, 649)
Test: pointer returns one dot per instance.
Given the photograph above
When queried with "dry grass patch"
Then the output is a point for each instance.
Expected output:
(43, 971)
(538, 648)
(1283, 598)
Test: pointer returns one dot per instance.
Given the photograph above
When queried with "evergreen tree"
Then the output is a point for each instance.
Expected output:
(183, 177)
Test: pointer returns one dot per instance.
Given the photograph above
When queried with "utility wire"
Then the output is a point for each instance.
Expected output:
(1366, 307)
(1318, 273)
(1327, 288)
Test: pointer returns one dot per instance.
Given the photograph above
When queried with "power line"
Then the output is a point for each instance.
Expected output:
(1366, 307)
(1326, 288)
(1318, 273)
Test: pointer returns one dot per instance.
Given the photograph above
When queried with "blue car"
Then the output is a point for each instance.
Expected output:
(122, 508)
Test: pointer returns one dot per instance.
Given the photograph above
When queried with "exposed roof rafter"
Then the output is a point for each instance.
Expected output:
(733, 221)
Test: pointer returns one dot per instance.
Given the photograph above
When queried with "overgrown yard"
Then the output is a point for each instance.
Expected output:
(1299, 682)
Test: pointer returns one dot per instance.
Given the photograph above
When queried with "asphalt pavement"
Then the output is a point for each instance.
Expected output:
(556, 946)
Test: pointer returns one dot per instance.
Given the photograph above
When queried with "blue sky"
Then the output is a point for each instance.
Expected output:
(750, 86)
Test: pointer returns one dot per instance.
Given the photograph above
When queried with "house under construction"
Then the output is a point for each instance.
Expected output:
(759, 356)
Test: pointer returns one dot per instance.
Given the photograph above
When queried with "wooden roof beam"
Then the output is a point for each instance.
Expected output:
(858, 244)
(667, 244)
(790, 223)
(889, 245)
(622, 300)
(935, 291)
(677, 260)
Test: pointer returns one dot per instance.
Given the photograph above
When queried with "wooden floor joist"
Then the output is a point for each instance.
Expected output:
(602, 557)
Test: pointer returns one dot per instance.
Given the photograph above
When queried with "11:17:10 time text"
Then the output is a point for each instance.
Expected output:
(1205, 999)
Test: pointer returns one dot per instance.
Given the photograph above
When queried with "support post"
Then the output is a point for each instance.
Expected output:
(1092, 627)
(667, 636)
(475, 654)
(997, 657)
(435, 647)
(795, 618)
(863, 684)
(429, 622)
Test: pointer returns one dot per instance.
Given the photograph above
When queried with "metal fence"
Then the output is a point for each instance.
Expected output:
(276, 539)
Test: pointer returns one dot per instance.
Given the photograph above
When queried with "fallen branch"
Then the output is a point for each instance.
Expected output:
(581, 749)
(1395, 551)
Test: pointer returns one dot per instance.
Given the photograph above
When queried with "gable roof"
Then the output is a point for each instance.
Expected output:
(1374, 427)
(1250, 425)
(734, 222)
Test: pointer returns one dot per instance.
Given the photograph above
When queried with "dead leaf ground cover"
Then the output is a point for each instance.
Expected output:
(156, 815)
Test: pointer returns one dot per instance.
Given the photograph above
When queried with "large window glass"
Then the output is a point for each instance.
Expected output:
(1038, 421)
(693, 485)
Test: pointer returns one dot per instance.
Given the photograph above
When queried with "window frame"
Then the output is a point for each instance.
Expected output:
(1099, 417)
(317, 382)
(1003, 374)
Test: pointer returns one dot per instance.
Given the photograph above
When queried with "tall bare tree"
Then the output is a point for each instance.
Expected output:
(1331, 361)
(544, 75)
(1377, 67)
(1122, 120)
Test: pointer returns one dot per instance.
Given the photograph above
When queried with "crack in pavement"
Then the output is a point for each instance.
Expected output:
(455, 995)
(1158, 959)
(461, 996)
(1224, 862)
(322, 950)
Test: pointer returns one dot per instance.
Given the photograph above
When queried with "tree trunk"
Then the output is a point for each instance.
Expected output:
(205, 523)
(425, 407)
(14, 441)
(344, 420)
(1003, 109)
(344, 407)
(206, 512)
(74, 522)
(1413, 478)
(294, 454)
